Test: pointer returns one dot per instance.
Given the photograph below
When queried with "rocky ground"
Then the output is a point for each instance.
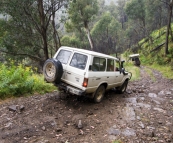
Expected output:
(142, 115)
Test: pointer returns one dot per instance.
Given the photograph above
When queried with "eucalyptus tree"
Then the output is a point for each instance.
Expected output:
(135, 10)
(81, 13)
(168, 31)
(155, 15)
(122, 16)
(29, 29)
(105, 33)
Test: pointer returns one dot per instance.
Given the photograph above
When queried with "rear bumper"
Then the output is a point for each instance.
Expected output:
(70, 89)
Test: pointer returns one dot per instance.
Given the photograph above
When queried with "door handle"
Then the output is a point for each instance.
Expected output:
(68, 73)
(97, 78)
(107, 76)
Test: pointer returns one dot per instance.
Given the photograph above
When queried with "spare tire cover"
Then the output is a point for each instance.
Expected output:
(52, 70)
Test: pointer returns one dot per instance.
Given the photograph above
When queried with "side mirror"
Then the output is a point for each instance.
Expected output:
(122, 63)
(122, 70)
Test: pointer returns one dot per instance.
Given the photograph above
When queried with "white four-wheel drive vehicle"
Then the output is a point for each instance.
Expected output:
(135, 59)
(84, 72)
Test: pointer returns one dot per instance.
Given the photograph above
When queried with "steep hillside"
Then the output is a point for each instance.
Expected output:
(151, 50)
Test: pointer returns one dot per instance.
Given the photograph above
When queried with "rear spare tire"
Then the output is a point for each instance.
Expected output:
(52, 70)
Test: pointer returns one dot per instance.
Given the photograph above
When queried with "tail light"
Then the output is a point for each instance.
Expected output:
(85, 82)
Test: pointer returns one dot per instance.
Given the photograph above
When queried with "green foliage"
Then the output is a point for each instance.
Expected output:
(107, 25)
(135, 9)
(133, 69)
(81, 12)
(73, 41)
(40, 85)
(165, 70)
(157, 59)
(19, 80)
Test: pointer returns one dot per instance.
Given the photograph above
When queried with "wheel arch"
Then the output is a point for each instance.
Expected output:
(105, 84)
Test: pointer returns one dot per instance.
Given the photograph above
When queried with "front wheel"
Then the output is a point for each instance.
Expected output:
(123, 87)
(99, 94)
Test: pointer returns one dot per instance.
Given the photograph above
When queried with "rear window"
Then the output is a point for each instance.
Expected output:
(63, 56)
(79, 61)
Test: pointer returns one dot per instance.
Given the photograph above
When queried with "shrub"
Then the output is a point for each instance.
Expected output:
(19, 80)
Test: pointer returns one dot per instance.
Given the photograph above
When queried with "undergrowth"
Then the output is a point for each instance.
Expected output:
(133, 69)
(165, 70)
(152, 52)
(19, 81)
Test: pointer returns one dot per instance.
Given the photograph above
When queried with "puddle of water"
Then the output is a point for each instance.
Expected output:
(113, 131)
(129, 113)
(129, 132)
(144, 105)
(152, 95)
(131, 100)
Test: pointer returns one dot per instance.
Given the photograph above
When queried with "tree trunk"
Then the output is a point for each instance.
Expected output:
(168, 27)
(55, 34)
(89, 37)
(43, 28)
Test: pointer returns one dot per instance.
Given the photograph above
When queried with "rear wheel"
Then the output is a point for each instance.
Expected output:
(123, 87)
(99, 94)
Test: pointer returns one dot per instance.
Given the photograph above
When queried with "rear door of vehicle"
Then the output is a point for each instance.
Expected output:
(76, 69)
(64, 55)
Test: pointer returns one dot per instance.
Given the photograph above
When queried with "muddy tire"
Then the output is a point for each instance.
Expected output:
(123, 87)
(137, 62)
(52, 70)
(99, 94)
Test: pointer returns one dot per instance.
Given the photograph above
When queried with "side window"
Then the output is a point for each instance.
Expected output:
(99, 64)
(79, 61)
(110, 65)
(63, 56)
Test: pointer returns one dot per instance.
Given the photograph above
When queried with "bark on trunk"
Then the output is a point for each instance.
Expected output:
(43, 28)
(89, 38)
(55, 34)
(168, 27)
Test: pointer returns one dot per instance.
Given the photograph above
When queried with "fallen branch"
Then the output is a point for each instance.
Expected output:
(157, 48)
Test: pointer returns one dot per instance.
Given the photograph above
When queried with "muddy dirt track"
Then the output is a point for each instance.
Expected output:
(142, 115)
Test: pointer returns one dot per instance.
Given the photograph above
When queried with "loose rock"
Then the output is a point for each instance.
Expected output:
(12, 108)
(80, 124)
